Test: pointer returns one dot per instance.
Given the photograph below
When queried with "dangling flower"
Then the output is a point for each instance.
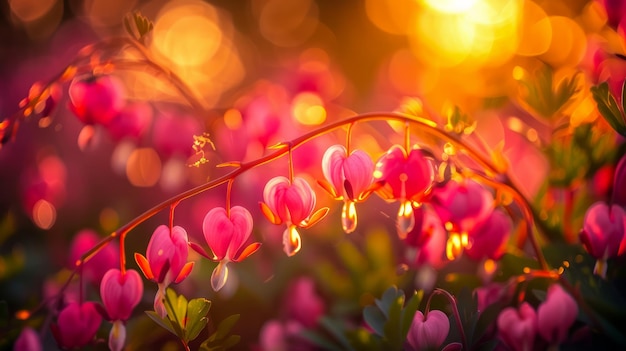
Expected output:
(427, 239)
(28, 341)
(407, 178)
(518, 327)
(105, 259)
(292, 204)
(77, 324)
(556, 315)
(226, 233)
(602, 233)
(96, 99)
(120, 293)
(132, 121)
(166, 261)
(488, 238)
(428, 333)
(350, 177)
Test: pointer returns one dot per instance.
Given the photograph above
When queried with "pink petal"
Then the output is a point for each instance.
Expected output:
(332, 166)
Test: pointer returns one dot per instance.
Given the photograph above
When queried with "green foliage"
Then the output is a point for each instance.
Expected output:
(544, 97)
(137, 26)
(459, 122)
(609, 108)
(185, 319)
(221, 339)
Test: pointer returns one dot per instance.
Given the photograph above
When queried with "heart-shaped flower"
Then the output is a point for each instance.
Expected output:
(556, 315)
(463, 204)
(226, 233)
(96, 99)
(349, 179)
(77, 324)
(428, 333)
(406, 177)
(120, 293)
(602, 233)
(166, 257)
(291, 203)
(518, 327)
(488, 238)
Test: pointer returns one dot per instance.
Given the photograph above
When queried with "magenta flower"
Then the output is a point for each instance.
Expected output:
(407, 178)
(96, 99)
(602, 233)
(292, 204)
(77, 325)
(120, 293)
(132, 121)
(556, 315)
(302, 303)
(349, 179)
(105, 259)
(427, 239)
(488, 238)
(28, 341)
(227, 233)
(428, 333)
(463, 204)
(165, 261)
(518, 327)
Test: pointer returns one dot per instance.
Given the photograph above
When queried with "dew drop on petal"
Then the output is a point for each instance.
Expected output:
(291, 241)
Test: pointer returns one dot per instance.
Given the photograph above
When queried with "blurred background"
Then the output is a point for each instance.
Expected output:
(261, 72)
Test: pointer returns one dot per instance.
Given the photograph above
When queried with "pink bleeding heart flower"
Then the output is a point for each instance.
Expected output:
(488, 238)
(349, 179)
(226, 233)
(406, 177)
(96, 99)
(291, 203)
(602, 233)
(105, 259)
(120, 293)
(428, 332)
(165, 261)
(463, 204)
(518, 327)
(77, 325)
(132, 121)
(302, 303)
(28, 341)
(556, 315)
(427, 239)
(615, 11)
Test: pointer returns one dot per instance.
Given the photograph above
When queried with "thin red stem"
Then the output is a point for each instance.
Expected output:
(290, 163)
(229, 189)
(349, 138)
(455, 311)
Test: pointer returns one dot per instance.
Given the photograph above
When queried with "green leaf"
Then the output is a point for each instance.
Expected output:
(320, 340)
(225, 326)
(196, 320)
(220, 339)
(137, 26)
(375, 318)
(409, 311)
(608, 107)
(176, 307)
(165, 323)
(393, 327)
(336, 329)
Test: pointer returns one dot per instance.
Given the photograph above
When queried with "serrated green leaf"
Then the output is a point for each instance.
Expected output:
(223, 329)
(409, 311)
(196, 320)
(165, 323)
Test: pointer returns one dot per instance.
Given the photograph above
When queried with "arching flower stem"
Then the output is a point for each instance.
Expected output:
(407, 136)
(349, 138)
(455, 311)
(229, 189)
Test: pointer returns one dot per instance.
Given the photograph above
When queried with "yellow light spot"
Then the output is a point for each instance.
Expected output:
(233, 119)
(515, 124)
(566, 264)
(449, 149)
(532, 135)
(378, 174)
(489, 266)
(518, 73)
(449, 226)
(22, 315)
(450, 6)
(526, 270)
(455, 245)
(451, 277)
(308, 109)
(160, 252)
(44, 214)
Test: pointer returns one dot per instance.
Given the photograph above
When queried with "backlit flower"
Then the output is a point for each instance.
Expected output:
(518, 327)
(96, 99)
(487, 240)
(428, 333)
(406, 177)
(28, 341)
(120, 293)
(77, 325)
(602, 233)
(292, 204)
(226, 233)
(556, 315)
(165, 261)
(349, 179)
